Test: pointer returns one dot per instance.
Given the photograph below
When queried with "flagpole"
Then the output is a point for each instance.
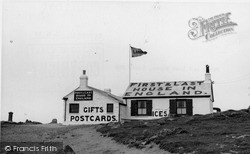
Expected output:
(129, 62)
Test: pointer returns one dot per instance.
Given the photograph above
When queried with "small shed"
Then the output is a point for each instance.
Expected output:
(89, 105)
(151, 100)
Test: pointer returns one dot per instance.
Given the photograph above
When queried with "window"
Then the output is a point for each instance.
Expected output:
(142, 107)
(110, 108)
(73, 108)
(181, 107)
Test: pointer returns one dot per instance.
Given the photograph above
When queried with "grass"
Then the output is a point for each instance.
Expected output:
(226, 132)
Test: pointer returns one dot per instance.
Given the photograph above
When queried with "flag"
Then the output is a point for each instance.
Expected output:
(136, 52)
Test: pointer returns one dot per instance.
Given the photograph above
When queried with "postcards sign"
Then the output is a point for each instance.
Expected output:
(211, 28)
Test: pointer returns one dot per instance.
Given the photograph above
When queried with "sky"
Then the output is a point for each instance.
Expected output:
(47, 44)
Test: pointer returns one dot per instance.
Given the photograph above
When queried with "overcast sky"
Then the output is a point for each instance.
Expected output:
(47, 44)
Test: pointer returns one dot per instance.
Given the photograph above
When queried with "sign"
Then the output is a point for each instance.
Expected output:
(211, 28)
(168, 89)
(160, 113)
(94, 113)
(83, 95)
(96, 118)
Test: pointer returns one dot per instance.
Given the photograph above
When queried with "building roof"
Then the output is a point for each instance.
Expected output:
(117, 98)
(169, 89)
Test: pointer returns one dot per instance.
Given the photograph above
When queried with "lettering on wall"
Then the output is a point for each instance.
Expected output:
(99, 118)
(93, 109)
(83, 95)
(90, 115)
(167, 89)
(160, 113)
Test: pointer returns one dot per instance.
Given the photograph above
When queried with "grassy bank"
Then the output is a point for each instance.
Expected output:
(225, 132)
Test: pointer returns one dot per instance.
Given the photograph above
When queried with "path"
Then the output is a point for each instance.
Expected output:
(87, 140)
(82, 139)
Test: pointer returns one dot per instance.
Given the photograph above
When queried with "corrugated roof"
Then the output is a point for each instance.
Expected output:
(168, 89)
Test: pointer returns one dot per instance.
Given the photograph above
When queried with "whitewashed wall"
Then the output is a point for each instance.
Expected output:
(123, 112)
(99, 100)
(200, 106)
(157, 105)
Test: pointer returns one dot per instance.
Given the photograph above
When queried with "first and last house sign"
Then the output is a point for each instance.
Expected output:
(156, 89)
(167, 89)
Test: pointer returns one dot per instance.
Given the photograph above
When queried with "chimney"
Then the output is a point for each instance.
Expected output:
(10, 116)
(107, 90)
(207, 75)
(83, 80)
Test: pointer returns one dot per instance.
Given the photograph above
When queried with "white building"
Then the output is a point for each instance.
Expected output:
(88, 105)
(143, 100)
(151, 100)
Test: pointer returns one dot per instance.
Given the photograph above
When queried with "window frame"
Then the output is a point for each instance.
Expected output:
(134, 107)
(140, 108)
(181, 107)
(74, 104)
(108, 109)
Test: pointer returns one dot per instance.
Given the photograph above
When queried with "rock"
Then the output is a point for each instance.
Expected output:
(232, 151)
(165, 120)
(171, 119)
(68, 150)
(54, 121)
(183, 132)
(164, 132)
(141, 125)
(113, 125)
(149, 146)
(153, 138)
(161, 121)
(32, 122)
(28, 121)
(242, 136)
(144, 142)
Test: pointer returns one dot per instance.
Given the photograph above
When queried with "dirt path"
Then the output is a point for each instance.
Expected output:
(90, 141)
(82, 139)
